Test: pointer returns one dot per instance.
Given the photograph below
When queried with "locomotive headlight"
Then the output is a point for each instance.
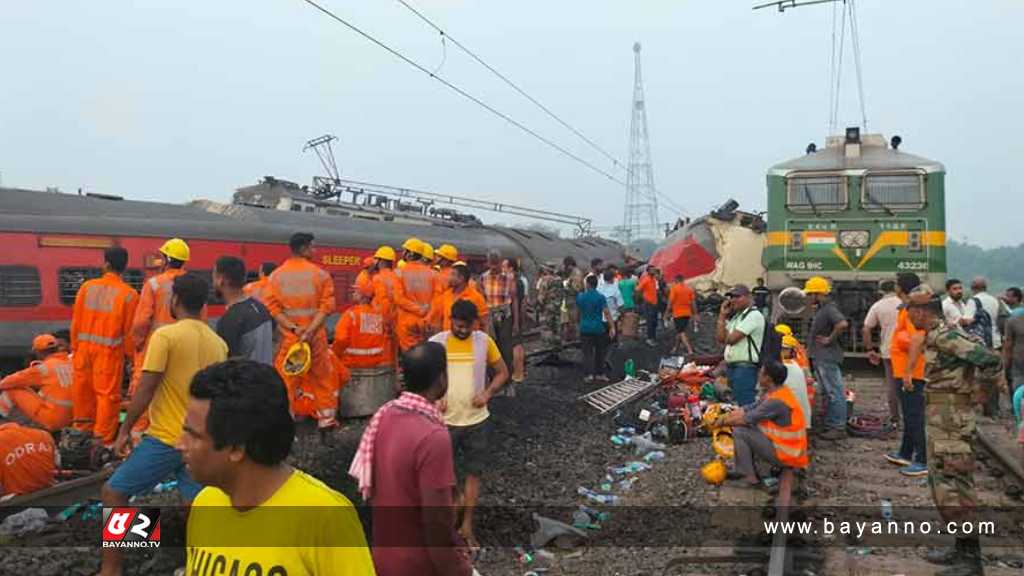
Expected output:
(854, 238)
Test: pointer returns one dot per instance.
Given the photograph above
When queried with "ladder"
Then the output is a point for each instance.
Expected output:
(614, 395)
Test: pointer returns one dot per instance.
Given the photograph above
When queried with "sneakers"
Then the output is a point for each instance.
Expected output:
(895, 458)
(915, 469)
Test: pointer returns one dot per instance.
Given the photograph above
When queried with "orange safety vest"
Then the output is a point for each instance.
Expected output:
(416, 286)
(900, 348)
(257, 289)
(790, 442)
(361, 339)
(103, 314)
(299, 289)
(385, 285)
(27, 460)
(154, 309)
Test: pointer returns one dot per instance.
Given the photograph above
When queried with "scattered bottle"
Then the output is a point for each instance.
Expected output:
(627, 484)
(645, 444)
(630, 368)
(626, 431)
(631, 468)
(886, 509)
(596, 496)
(655, 456)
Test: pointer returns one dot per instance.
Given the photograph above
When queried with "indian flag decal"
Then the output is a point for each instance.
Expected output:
(819, 240)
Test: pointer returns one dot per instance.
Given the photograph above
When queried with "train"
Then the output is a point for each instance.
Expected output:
(54, 241)
(857, 212)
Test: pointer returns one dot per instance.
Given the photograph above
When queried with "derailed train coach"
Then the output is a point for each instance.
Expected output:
(52, 242)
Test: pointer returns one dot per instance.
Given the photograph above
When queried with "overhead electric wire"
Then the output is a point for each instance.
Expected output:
(615, 161)
(462, 92)
(855, 36)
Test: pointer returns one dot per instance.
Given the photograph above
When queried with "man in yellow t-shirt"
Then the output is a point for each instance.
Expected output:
(257, 514)
(471, 353)
(175, 353)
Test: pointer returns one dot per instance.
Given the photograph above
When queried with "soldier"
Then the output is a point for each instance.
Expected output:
(957, 369)
(573, 285)
(550, 294)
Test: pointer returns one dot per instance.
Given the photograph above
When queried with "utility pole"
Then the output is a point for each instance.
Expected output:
(640, 217)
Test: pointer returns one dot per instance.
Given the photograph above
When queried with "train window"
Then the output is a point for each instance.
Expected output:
(211, 298)
(134, 278)
(296, 208)
(19, 286)
(893, 192)
(816, 194)
(69, 280)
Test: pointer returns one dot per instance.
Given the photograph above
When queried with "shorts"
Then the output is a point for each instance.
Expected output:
(681, 323)
(150, 463)
(470, 445)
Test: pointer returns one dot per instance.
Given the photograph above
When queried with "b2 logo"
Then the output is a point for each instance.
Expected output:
(131, 527)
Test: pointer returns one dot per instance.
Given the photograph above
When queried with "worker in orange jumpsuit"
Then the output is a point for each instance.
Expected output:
(154, 311)
(368, 271)
(300, 298)
(28, 459)
(460, 288)
(385, 282)
(101, 340)
(360, 338)
(414, 296)
(41, 392)
(258, 288)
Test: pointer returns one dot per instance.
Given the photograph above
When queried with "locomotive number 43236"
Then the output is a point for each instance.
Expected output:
(912, 266)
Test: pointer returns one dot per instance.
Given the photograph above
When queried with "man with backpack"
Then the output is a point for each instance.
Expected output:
(980, 314)
(827, 354)
(741, 327)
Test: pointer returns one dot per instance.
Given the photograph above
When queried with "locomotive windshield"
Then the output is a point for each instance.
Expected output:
(893, 193)
(816, 194)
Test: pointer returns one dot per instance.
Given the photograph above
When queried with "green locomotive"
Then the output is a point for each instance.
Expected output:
(858, 212)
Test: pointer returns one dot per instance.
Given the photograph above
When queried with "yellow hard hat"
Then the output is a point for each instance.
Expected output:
(784, 329)
(790, 342)
(713, 472)
(175, 248)
(448, 252)
(414, 245)
(722, 444)
(298, 359)
(817, 285)
(428, 251)
(385, 253)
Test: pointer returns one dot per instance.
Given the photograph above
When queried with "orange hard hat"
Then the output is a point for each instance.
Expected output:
(364, 286)
(43, 342)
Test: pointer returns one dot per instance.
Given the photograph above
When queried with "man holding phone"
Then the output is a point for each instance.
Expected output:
(740, 327)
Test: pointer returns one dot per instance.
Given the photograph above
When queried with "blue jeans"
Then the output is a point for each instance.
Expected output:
(913, 446)
(743, 381)
(830, 376)
(150, 463)
(651, 314)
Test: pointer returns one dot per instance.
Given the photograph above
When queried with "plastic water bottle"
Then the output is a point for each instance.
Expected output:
(645, 444)
(627, 484)
(596, 497)
(655, 456)
(630, 368)
(594, 514)
(626, 431)
(887, 509)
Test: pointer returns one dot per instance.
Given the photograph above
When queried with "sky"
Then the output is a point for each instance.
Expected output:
(173, 101)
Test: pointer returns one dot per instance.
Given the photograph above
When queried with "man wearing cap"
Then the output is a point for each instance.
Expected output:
(958, 368)
(740, 327)
(41, 392)
(360, 337)
(883, 315)
(414, 294)
(154, 310)
(796, 379)
(827, 354)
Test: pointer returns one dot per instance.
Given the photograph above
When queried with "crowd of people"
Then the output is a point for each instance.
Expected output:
(215, 408)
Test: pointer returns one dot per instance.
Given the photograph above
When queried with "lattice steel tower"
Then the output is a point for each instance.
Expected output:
(640, 218)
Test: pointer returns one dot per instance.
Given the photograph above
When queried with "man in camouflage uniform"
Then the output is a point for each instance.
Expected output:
(573, 285)
(550, 295)
(957, 369)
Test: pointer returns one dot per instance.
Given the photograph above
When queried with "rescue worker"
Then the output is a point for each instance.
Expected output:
(447, 256)
(154, 311)
(460, 288)
(573, 285)
(300, 297)
(799, 352)
(957, 369)
(772, 429)
(360, 337)
(413, 295)
(41, 392)
(385, 282)
(101, 340)
(550, 296)
(368, 270)
(258, 288)
(28, 459)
